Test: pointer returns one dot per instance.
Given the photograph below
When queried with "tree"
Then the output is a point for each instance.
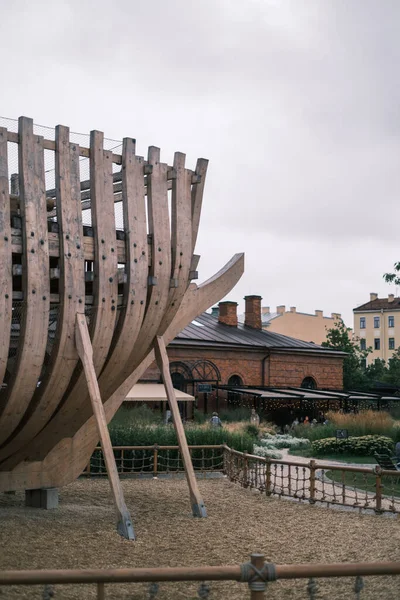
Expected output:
(393, 277)
(354, 376)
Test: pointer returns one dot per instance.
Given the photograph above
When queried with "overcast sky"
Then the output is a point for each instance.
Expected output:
(296, 103)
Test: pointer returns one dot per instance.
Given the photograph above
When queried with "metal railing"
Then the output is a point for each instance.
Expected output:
(257, 573)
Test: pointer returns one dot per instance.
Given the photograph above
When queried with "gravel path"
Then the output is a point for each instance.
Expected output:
(80, 534)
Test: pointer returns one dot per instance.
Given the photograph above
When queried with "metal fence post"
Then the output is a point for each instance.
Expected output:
(312, 481)
(155, 461)
(256, 584)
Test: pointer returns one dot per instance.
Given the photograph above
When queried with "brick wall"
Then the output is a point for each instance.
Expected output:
(291, 369)
(280, 369)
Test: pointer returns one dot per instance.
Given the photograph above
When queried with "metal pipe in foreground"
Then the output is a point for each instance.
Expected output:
(227, 573)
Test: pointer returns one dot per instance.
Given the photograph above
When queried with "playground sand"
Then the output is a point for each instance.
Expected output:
(81, 534)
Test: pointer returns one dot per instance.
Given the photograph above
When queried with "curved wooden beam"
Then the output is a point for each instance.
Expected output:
(105, 295)
(137, 267)
(64, 357)
(5, 259)
(35, 281)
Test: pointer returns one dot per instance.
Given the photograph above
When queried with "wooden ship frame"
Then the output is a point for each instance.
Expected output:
(85, 310)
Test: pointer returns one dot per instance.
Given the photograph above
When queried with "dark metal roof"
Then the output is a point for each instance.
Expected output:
(206, 330)
(273, 393)
(379, 304)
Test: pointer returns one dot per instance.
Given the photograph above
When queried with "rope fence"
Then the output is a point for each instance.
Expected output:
(363, 488)
(157, 460)
(257, 573)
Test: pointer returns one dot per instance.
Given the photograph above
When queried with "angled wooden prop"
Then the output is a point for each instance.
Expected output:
(198, 507)
(86, 309)
(85, 351)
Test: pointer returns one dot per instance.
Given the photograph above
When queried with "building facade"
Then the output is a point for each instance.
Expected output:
(223, 352)
(377, 325)
(301, 326)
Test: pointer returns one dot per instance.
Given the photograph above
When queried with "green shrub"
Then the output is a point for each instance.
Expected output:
(318, 432)
(252, 430)
(366, 445)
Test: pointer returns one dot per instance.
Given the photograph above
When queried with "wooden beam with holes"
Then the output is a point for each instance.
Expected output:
(136, 270)
(5, 257)
(71, 300)
(35, 282)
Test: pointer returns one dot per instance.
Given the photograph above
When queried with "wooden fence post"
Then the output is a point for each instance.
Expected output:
(155, 461)
(245, 470)
(312, 481)
(101, 594)
(268, 478)
(378, 489)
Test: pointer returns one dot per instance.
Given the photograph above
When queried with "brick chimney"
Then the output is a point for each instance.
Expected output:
(373, 296)
(319, 313)
(265, 310)
(391, 298)
(281, 309)
(215, 311)
(252, 313)
(227, 313)
(292, 309)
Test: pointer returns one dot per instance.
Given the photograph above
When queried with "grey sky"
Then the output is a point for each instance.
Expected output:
(296, 103)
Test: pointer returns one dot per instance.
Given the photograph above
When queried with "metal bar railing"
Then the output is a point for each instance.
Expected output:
(257, 573)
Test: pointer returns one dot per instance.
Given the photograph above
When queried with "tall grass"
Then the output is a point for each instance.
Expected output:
(137, 434)
(129, 414)
(367, 422)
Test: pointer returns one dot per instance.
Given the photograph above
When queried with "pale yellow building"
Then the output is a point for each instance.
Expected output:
(302, 326)
(377, 325)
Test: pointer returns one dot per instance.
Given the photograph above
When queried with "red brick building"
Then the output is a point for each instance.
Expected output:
(218, 350)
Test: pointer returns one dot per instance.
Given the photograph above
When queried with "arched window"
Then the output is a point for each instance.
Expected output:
(235, 380)
(309, 383)
(178, 381)
(205, 370)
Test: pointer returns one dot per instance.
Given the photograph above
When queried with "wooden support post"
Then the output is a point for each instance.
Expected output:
(312, 481)
(198, 507)
(85, 351)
